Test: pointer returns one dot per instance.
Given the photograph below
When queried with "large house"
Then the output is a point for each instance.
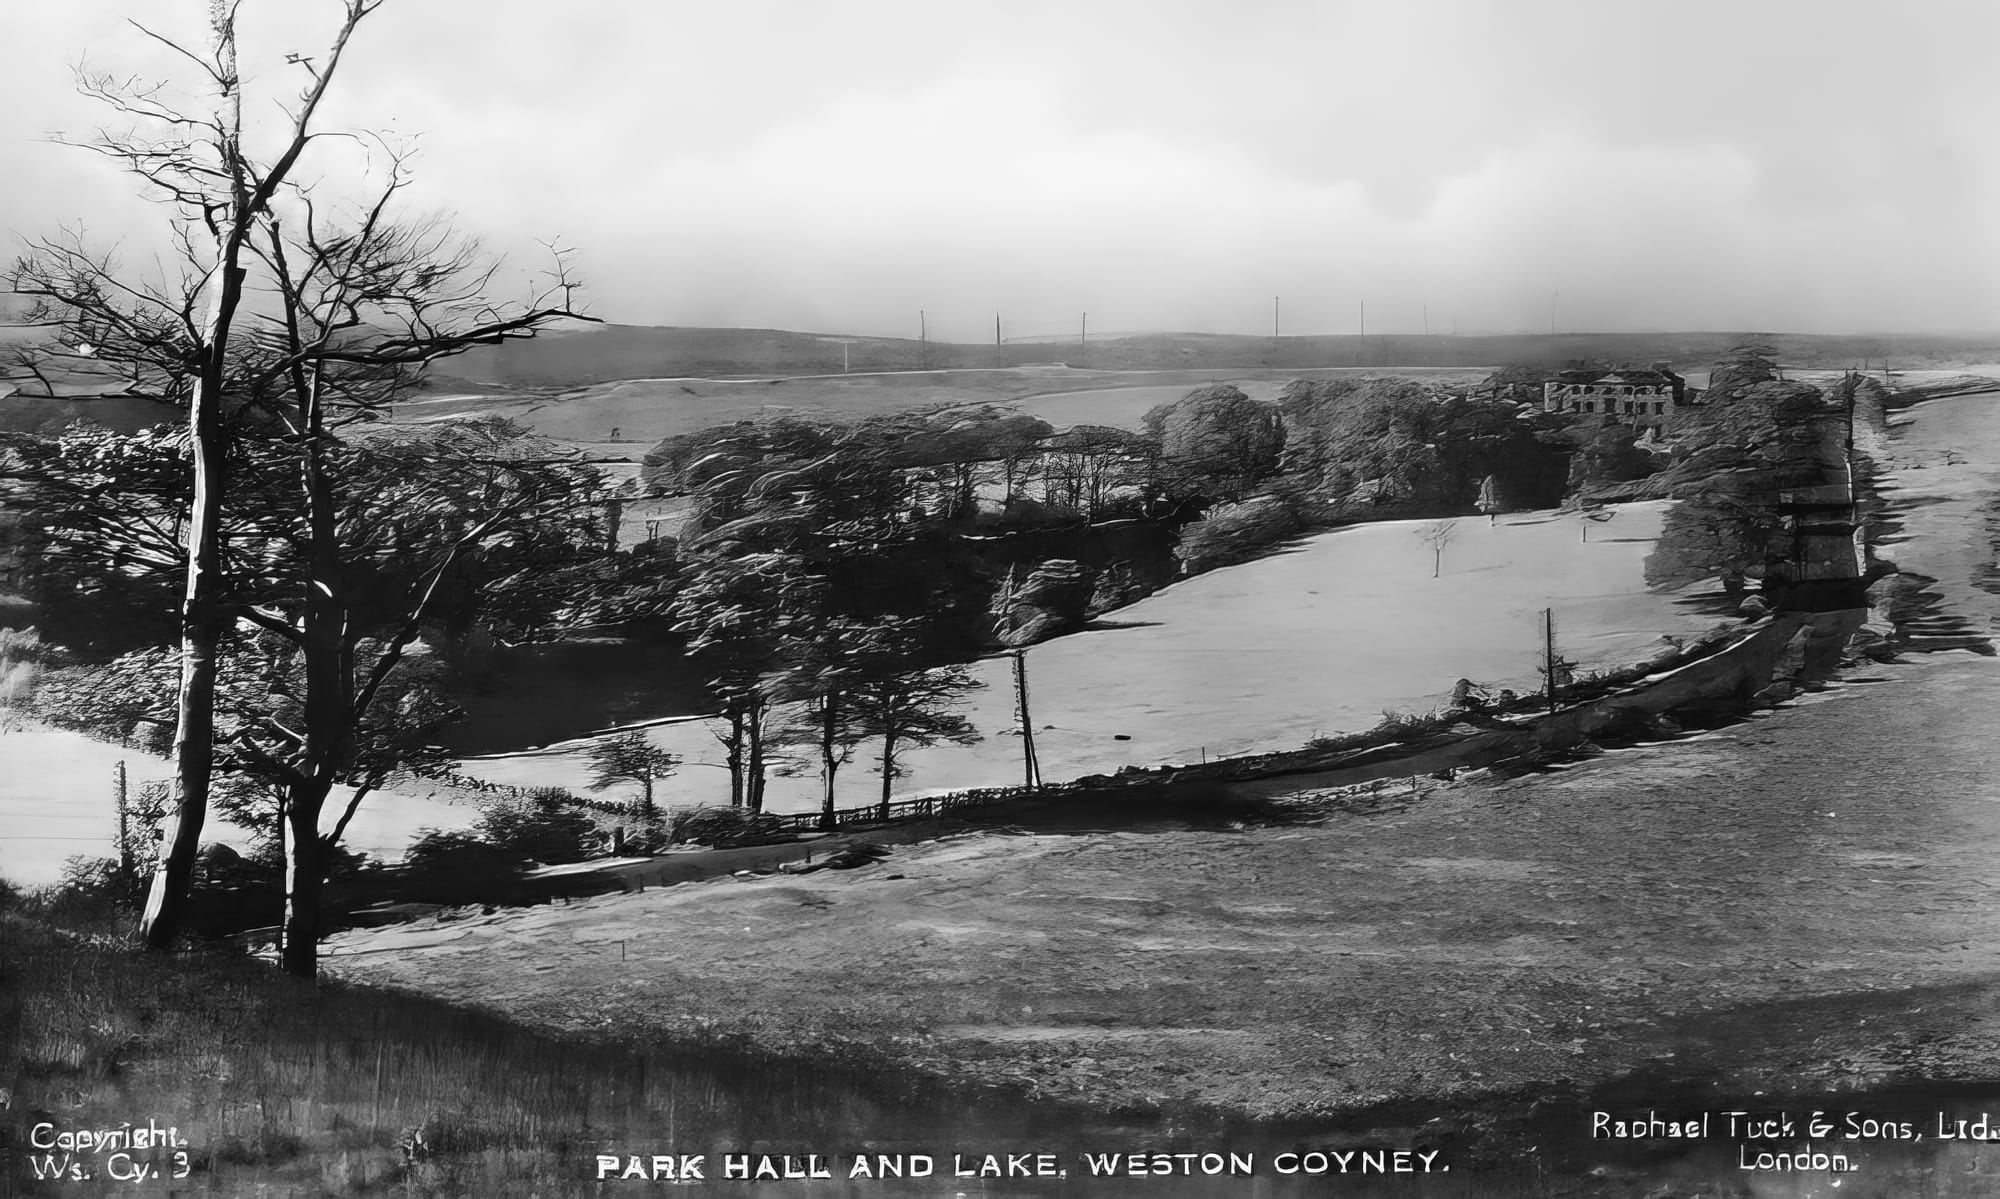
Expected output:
(1639, 397)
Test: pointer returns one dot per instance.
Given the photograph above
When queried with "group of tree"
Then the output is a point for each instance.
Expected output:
(825, 602)
(288, 550)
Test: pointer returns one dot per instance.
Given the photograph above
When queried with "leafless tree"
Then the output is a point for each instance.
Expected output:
(274, 311)
(1437, 534)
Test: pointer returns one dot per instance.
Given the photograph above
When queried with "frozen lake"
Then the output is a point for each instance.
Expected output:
(1262, 656)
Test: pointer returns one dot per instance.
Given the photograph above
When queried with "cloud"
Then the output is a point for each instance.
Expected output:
(1171, 164)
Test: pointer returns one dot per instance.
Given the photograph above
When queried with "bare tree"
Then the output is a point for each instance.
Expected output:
(337, 317)
(174, 341)
(1437, 534)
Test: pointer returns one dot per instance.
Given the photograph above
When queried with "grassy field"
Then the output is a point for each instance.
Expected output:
(326, 1089)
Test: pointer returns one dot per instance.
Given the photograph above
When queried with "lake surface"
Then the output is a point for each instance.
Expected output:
(57, 800)
(1321, 639)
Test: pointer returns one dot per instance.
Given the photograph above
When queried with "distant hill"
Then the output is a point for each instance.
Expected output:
(587, 354)
(578, 355)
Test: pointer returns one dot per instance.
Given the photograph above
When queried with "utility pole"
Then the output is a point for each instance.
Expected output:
(1083, 338)
(996, 331)
(843, 357)
(1031, 767)
(923, 340)
(1549, 654)
(124, 827)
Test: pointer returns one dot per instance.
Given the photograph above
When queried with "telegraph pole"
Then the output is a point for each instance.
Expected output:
(1364, 318)
(1031, 768)
(1083, 338)
(1549, 654)
(124, 826)
(923, 340)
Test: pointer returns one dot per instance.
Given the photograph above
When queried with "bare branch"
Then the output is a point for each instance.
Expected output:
(207, 68)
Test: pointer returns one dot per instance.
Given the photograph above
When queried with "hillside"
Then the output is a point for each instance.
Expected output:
(583, 355)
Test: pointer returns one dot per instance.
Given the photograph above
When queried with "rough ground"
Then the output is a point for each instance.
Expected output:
(1796, 897)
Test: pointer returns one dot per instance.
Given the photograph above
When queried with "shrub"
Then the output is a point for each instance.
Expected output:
(91, 894)
(541, 828)
(721, 827)
(435, 850)
(460, 868)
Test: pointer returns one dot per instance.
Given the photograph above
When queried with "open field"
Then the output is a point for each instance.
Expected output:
(278, 1087)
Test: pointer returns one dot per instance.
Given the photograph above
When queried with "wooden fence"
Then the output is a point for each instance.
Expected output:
(924, 808)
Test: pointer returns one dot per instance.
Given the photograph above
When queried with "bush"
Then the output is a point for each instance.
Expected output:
(91, 893)
(460, 868)
(434, 850)
(541, 828)
(721, 827)
(97, 878)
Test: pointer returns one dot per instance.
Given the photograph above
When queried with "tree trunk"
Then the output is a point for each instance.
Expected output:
(829, 763)
(888, 768)
(329, 699)
(202, 622)
(194, 755)
(305, 889)
(733, 754)
(755, 767)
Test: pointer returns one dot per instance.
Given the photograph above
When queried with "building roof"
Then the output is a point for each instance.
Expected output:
(1618, 378)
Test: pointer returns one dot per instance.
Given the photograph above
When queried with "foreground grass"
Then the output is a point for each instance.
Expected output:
(285, 1087)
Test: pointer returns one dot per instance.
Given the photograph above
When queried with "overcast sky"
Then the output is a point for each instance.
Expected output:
(839, 165)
